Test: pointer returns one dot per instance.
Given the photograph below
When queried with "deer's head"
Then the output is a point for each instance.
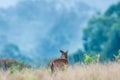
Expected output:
(64, 54)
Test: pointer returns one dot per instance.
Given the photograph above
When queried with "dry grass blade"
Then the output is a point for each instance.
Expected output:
(109, 71)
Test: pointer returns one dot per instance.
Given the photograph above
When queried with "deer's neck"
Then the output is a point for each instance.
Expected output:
(64, 57)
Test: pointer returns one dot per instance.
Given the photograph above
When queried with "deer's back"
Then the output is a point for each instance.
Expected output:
(60, 61)
(58, 64)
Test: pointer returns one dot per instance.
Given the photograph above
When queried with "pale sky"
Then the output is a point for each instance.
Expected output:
(94, 3)
(8, 3)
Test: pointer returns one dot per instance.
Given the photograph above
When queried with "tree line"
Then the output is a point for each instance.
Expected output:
(101, 36)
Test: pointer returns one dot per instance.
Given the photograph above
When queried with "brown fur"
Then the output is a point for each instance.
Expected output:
(58, 64)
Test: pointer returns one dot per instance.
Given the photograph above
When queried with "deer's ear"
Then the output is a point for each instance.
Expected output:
(61, 51)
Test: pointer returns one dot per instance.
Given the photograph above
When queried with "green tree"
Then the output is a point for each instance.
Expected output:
(78, 56)
(102, 35)
(114, 10)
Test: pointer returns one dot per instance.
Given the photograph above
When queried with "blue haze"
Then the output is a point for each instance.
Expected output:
(40, 28)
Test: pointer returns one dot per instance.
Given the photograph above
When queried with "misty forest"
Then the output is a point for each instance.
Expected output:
(22, 34)
(32, 33)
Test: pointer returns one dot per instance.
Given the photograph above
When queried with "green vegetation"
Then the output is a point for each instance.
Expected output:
(12, 64)
(117, 58)
(88, 59)
(101, 35)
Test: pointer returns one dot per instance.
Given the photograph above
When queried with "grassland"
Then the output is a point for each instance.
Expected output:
(109, 71)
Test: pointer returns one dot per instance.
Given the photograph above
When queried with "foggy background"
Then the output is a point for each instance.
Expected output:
(37, 29)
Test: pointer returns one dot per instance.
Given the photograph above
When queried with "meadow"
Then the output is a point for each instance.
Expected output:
(97, 71)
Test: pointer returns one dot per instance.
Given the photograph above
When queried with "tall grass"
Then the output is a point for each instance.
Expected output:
(109, 71)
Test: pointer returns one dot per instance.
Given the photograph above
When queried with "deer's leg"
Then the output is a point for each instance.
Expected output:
(52, 67)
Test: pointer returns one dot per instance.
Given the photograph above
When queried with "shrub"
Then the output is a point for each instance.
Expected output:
(11, 63)
(91, 59)
(117, 58)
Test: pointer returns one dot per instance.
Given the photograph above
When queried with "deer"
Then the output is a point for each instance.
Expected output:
(60, 63)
